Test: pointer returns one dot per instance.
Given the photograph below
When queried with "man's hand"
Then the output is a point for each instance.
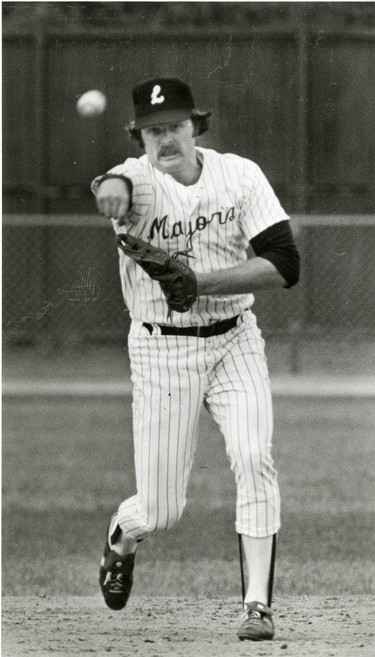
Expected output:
(113, 199)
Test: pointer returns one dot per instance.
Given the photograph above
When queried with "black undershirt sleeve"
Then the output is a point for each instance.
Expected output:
(277, 245)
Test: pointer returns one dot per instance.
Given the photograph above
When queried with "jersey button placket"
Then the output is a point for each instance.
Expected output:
(210, 356)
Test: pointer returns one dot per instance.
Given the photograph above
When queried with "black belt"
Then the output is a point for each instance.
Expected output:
(196, 331)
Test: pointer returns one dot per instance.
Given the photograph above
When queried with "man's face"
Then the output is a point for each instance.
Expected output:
(170, 147)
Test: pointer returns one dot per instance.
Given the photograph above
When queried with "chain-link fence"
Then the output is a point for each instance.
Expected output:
(61, 284)
(294, 98)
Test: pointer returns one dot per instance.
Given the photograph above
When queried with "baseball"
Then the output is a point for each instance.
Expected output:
(91, 104)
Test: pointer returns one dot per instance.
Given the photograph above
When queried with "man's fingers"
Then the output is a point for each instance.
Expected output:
(118, 225)
(111, 206)
(104, 207)
(122, 209)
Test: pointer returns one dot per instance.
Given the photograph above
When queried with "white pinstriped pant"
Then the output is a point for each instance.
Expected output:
(173, 376)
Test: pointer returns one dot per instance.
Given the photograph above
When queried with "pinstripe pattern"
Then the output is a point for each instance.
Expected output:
(213, 220)
(168, 395)
(173, 376)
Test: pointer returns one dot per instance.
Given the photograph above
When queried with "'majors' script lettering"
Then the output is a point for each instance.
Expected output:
(189, 228)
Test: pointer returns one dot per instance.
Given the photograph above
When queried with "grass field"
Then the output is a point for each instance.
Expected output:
(324, 356)
(67, 464)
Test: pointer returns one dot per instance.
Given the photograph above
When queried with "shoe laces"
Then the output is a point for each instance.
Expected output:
(252, 615)
(247, 614)
(257, 614)
(116, 581)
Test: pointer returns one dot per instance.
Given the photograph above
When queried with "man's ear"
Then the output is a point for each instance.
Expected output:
(196, 128)
(200, 121)
(135, 134)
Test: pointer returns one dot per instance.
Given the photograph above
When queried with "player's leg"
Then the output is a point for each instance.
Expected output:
(240, 401)
(261, 551)
(257, 622)
(168, 393)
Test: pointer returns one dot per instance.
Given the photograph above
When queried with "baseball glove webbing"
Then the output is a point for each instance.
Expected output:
(177, 280)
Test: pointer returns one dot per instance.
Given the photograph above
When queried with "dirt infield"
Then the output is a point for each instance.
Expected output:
(185, 627)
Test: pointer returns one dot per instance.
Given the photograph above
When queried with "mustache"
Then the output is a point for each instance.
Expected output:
(165, 151)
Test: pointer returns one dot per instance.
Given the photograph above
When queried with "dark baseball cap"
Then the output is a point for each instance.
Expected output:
(162, 100)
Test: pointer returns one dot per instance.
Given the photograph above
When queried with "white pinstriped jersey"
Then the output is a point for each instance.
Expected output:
(174, 375)
(213, 220)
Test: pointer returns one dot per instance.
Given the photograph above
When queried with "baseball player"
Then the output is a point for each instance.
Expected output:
(185, 216)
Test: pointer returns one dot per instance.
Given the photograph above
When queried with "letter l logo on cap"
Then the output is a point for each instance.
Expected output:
(155, 98)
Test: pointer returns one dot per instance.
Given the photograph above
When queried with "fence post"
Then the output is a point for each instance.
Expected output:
(41, 95)
(41, 167)
(295, 328)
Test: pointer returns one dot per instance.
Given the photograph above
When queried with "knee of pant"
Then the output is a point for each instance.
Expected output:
(257, 462)
(157, 519)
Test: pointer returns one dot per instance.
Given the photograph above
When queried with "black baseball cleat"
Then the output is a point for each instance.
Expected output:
(257, 624)
(116, 577)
